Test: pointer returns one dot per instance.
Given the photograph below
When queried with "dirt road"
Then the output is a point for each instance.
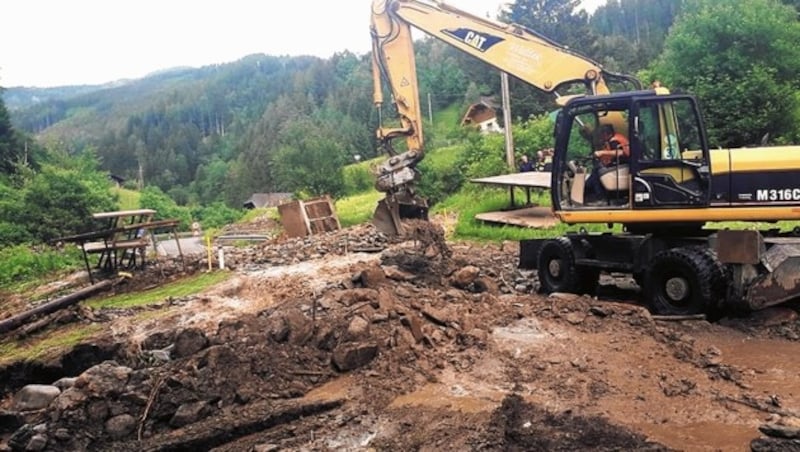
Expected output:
(425, 345)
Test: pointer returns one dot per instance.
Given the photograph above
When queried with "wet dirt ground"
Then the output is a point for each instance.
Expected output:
(423, 345)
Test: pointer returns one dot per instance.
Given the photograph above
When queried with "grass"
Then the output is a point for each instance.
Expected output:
(128, 199)
(357, 209)
(53, 344)
(474, 200)
(181, 288)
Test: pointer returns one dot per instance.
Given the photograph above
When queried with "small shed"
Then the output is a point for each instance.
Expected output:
(483, 115)
(259, 200)
(309, 217)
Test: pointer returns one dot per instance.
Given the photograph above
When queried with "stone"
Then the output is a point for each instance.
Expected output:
(35, 397)
(69, 400)
(780, 431)
(465, 276)
(414, 325)
(484, 284)
(36, 443)
(120, 426)
(372, 277)
(107, 379)
(97, 410)
(190, 341)
(189, 413)
(351, 356)
(358, 329)
(65, 383)
(266, 448)
(395, 273)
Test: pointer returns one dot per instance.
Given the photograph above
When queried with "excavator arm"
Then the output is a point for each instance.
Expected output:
(510, 48)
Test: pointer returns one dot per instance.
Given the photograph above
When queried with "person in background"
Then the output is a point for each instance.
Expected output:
(524, 164)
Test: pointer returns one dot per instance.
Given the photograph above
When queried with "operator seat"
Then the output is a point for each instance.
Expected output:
(616, 177)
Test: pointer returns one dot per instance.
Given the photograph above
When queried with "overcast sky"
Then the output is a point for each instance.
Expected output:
(72, 42)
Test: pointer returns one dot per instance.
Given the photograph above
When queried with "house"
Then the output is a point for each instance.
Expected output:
(117, 180)
(259, 200)
(483, 115)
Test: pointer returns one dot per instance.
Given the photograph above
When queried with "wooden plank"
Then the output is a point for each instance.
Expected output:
(123, 213)
(538, 179)
(531, 217)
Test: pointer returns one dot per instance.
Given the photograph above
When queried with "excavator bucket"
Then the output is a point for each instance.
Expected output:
(782, 283)
(395, 208)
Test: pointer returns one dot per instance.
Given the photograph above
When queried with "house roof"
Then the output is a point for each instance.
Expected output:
(258, 200)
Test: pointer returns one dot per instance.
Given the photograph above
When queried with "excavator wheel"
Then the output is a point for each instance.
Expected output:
(392, 210)
(556, 267)
(682, 281)
(558, 272)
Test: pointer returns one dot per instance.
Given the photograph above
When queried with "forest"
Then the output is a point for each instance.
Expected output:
(214, 135)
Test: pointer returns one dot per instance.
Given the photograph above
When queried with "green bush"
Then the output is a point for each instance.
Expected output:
(359, 177)
(153, 198)
(217, 215)
(22, 263)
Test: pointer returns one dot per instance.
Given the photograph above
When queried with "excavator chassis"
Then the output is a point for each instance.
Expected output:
(706, 272)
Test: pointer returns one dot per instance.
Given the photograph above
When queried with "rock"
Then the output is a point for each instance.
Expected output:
(190, 341)
(158, 340)
(465, 276)
(36, 443)
(160, 355)
(301, 329)
(441, 316)
(277, 328)
(97, 410)
(394, 272)
(484, 284)
(413, 324)
(189, 413)
(106, 379)
(352, 296)
(351, 356)
(372, 277)
(120, 426)
(35, 397)
(69, 400)
(357, 329)
(62, 434)
(386, 300)
(65, 383)
(774, 316)
(266, 448)
(564, 296)
(575, 318)
(780, 431)
(774, 445)
(20, 438)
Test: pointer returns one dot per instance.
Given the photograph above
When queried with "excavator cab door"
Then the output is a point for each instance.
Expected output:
(670, 158)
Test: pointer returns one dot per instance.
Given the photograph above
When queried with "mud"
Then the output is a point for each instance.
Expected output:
(409, 344)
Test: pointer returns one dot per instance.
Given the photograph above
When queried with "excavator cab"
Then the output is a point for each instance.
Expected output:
(667, 165)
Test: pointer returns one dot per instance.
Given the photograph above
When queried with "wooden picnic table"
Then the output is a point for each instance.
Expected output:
(123, 240)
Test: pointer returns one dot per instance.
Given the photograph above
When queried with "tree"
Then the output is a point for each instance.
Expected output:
(559, 21)
(10, 149)
(741, 59)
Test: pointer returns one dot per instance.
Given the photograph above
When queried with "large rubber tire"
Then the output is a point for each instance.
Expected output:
(683, 281)
(556, 267)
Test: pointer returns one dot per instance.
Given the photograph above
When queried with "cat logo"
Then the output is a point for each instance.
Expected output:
(475, 39)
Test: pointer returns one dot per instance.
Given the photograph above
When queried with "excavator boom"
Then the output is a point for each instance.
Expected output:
(510, 48)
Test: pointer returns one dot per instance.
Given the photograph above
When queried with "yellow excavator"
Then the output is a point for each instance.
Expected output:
(663, 189)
